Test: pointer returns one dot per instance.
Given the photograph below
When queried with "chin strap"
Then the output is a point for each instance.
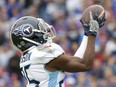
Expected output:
(29, 40)
(28, 49)
(38, 45)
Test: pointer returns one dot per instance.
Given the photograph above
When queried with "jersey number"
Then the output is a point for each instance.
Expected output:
(24, 72)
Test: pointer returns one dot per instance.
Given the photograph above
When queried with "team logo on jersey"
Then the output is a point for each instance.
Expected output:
(24, 30)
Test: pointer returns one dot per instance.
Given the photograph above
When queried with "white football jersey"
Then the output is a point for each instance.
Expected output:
(33, 63)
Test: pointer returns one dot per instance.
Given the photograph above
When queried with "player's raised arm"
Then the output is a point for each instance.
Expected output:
(83, 58)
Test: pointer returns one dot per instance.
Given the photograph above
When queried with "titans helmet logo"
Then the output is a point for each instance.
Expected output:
(24, 30)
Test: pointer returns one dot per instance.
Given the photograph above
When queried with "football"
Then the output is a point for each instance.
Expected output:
(95, 10)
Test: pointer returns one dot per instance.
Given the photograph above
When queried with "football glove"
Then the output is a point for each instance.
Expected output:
(101, 20)
(93, 26)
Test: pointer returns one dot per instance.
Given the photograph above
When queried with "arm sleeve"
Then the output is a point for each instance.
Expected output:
(81, 50)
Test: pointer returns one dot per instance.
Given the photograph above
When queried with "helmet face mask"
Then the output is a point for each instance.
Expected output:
(29, 31)
(46, 28)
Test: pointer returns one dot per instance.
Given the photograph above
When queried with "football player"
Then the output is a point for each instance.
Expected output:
(43, 62)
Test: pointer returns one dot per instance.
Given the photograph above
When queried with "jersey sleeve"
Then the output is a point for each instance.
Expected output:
(57, 50)
(47, 54)
(53, 52)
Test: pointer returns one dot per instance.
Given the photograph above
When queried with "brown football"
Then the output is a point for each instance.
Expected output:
(95, 9)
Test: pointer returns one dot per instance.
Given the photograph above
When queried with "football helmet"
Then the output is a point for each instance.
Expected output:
(29, 31)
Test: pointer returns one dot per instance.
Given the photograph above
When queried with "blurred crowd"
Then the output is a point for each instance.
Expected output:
(64, 15)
